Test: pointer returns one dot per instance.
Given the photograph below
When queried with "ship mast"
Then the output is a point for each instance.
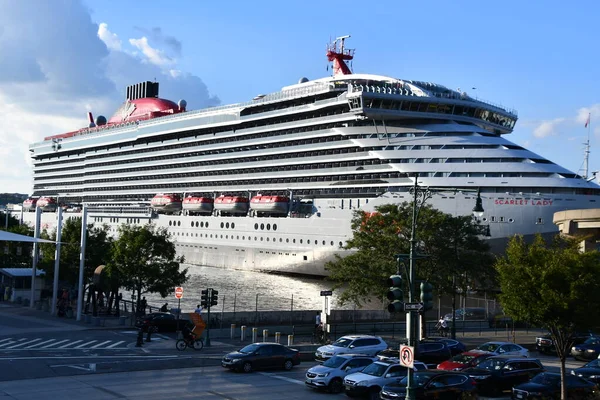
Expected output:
(337, 54)
(586, 156)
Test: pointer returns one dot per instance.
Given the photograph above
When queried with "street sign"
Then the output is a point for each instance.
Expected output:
(326, 292)
(178, 292)
(407, 356)
(413, 306)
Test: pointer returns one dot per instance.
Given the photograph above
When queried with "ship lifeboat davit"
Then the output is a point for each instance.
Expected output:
(231, 205)
(270, 205)
(193, 205)
(29, 204)
(47, 204)
(166, 203)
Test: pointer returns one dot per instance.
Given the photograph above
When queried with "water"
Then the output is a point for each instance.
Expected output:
(249, 291)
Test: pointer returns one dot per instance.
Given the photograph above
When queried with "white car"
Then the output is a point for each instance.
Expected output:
(330, 375)
(504, 349)
(355, 344)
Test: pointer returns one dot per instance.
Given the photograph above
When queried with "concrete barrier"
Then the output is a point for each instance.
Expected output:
(232, 334)
(277, 337)
(290, 340)
(254, 335)
(243, 333)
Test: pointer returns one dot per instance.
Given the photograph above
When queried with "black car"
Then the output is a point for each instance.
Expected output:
(500, 373)
(433, 384)
(547, 386)
(161, 322)
(455, 346)
(429, 352)
(545, 345)
(587, 350)
(261, 356)
(590, 371)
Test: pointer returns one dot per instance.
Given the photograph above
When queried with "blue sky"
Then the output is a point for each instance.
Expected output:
(61, 59)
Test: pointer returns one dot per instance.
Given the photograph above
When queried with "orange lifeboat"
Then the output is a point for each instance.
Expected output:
(270, 205)
(47, 204)
(198, 205)
(29, 204)
(166, 203)
(231, 205)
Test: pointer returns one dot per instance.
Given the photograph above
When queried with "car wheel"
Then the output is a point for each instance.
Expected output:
(247, 367)
(336, 385)
(288, 364)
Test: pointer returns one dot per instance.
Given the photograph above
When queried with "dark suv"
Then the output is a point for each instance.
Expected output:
(500, 373)
(545, 345)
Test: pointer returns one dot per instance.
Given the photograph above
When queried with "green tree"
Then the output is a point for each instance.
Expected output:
(16, 254)
(552, 285)
(97, 251)
(144, 261)
(452, 245)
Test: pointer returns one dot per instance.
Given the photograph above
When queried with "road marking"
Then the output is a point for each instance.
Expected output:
(100, 344)
(115, 345)
(283, 378)
(69, 344)
(55, 344)
(40, 343)
(5, 340)
(23, 344)
(85, 344)
(7, 343)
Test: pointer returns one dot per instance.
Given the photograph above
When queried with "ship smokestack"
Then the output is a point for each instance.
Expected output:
(91, 120)
(142, 90)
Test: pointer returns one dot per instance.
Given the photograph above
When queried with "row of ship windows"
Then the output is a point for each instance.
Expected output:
(226, 225)
(256, 238)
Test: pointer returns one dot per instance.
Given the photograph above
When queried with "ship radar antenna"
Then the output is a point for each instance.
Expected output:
(338, 54)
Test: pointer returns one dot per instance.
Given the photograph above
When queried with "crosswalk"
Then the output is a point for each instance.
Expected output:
(10, 344)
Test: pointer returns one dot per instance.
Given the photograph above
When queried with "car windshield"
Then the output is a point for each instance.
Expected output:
(593, 364)
(492, 364)
(592, 340)
(491, 347)
(463, 358)
(342, 342)
(251, 348)
(375, 369)
(420, 379)
(334, 362)
(546, 379)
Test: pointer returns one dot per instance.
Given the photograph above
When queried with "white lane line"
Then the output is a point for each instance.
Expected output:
(84, 344)
(54, 344)
(23, 344)
(70, 344)
(5, 340)
(283, 378)
(7, 343)
(115, 345)
(40, 343)
(100, 344)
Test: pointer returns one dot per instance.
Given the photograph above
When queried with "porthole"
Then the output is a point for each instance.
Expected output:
(323, 243)
(197, 224)
(178, 223)
(196, 235)
(340, 244)
(268, 227)
(222, 224)
(511, 220)
(301, 241)
(226, 236)
(280, 240)
(274, 239)
(274, 227)
(261, 238)
(237, 237)
(243, 237)
(287, 240)
(262, 227)
(192, 224)
(294, 241)
(308, 241)
(267, 239)
(221, 236)
(255, 238)
(206, 225)
(484, 219)
(170, 222)
(202, 224)
(255, 226)
(211, 235)
(232, 225)
(227, 225)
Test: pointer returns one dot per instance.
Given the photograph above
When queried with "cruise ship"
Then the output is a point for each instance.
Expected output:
(271, 184)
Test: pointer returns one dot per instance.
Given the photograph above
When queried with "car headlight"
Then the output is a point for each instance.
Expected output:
(593, 377)
(236, 360)
(456, 369)
(573, 372)
(323, 375)
(591, 350)
(362, 383)
(536, 394)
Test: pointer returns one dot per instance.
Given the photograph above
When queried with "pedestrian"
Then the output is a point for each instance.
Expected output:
(143, 305)
(442, 326)
(317, 321)
(198, 309)
(164, 307)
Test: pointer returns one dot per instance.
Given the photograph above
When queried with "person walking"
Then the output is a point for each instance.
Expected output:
(442, 327)
(198, 309)
(143, 305)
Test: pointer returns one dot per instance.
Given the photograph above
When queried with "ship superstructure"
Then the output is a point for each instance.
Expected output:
(318, 150)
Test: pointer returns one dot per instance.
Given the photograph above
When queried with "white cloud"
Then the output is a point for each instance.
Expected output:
(60, 65)
(547, 128)
(593, 111)
(111, 40)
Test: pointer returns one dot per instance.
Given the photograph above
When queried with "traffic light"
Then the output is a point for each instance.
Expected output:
(204, 301)
(426, 295)
(214, 297)
(395, 295)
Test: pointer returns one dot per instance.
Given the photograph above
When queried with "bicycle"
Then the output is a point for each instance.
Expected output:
(442, 330)
(320, 336)
(197, 343)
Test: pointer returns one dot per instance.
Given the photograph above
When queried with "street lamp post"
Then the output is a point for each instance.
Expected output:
(420, 196)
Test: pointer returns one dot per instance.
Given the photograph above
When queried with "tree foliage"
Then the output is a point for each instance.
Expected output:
(453, 246)
(144, 261)
(551, 285)
(15, 254)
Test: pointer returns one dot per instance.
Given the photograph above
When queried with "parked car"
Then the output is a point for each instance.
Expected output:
(465, 360)
(545, 345)
(504, 349)
(468, 314)
(454, 345)
(330, 375)
(500, 373)
(590, 371)
(433, 385)
(373, 377)
(261, 356)
(356, 344)
(429, 352)
(547, 386)
(587, 350)
(161, 322)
